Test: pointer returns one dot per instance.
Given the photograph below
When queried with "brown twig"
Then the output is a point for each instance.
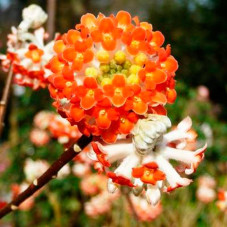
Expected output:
(51, 10)
(51, 173)
(5, 96)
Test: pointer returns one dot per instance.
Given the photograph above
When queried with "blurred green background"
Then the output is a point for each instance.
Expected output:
(197, 32)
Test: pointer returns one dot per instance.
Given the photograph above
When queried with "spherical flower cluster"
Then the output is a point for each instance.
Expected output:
(143, 161)
(145, 211)
(109, 72)
(27, 51)
(206, 192)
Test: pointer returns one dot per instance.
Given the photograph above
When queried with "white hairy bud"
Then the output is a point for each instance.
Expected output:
(33, 17)
(149, 131)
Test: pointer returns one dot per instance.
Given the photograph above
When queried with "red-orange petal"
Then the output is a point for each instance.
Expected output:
(119, 80)
(69, 54)
(171, 64)
(140, 107)
(138, 172)
(88, 56)
(76, 113)
(87, 102)
(106, 25)
(151, 165)
(118, 100)
(59, 82)
(171, 95)
(73, 36)
(59, 46)
(109, 44)
(68, 73)
(125, 126)
(123, 18)
(157, 38)
(89, 20)
(139, 34)
(90, 82)
(55, 65)
(159, 97)
(103, 121)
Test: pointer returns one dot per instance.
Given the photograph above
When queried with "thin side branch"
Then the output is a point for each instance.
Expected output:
(51, 173)
(5, 96)
(51, 11)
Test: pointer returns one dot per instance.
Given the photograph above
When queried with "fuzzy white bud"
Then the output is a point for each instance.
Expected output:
(33, 17)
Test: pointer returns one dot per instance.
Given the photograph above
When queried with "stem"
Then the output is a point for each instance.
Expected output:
(5, 96)
(51, 173)
(51, 10)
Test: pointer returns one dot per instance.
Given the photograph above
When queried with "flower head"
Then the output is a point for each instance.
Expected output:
(109, 72)
(143, 161)
(27, 51)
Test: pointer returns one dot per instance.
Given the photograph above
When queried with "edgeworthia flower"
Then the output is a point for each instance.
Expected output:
(143, 161)
(112, 78)
(27, 50)
(33, 17)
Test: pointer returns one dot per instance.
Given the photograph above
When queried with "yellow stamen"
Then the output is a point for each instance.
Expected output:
(137, 99)
(120, 57)
(134, 69)
(133, 79)
(90, 93)
(103, 56)
(122, 120)
(79, 57)
(118, 91)
(91, 71)
(147, 173)
(106, 81)
(104, 68)
(135, 44)
(68, 84)
(102, 112)
(140, 59)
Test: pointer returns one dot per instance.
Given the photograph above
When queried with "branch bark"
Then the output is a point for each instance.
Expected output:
(5, 96)
(51, 173)
(51, 10)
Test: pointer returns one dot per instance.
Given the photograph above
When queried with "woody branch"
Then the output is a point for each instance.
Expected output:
(50, 174)
(5, 96)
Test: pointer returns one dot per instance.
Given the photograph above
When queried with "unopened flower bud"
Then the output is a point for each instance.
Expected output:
(33, 17)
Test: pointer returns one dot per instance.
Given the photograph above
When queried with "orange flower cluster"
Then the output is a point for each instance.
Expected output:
(28, 53)
(26, 75)
(110, 71)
